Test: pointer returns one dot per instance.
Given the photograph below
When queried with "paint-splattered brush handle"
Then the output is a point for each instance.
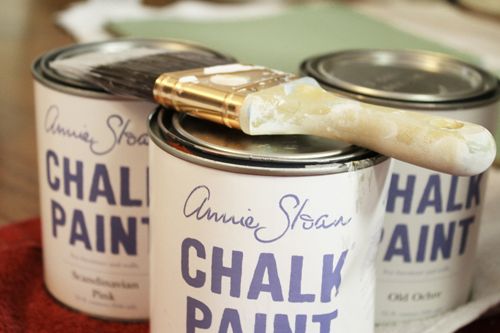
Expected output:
(438, 143)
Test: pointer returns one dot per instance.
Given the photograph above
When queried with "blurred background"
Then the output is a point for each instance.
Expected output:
(27, 29)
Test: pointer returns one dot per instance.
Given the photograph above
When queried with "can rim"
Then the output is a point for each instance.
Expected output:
(486, 89)
(172, 143)
(42, 72)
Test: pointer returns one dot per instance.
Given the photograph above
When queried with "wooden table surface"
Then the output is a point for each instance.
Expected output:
(28, 30)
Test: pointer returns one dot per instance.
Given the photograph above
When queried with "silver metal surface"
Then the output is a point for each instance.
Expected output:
(219, 147)
(403, 77)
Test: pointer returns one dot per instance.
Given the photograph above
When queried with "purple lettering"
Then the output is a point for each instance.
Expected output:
(233, 272)
(99, 230)
(282, 325)
(422, 243)
(101, 185)
(230, 322)
(474, 191)
(405, 193)
(119, 236)
(332, 276)
(431, 196)
(125, 199)
(58, 216)
(76, 178)
(192, 323)
(79, 231)
(196, 205)
(399, 235)
(295, 292)
(260, 323)
(266, 265)
(452, 206)
(54, 182)
(198, 280)
(442, 243)
(465, 224)
(324, 321)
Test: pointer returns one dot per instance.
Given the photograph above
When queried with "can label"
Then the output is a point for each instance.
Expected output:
(426, 258)
(234, 252)
(428, 246)
(93, 173)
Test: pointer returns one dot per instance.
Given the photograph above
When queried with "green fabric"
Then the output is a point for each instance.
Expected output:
(284, 41)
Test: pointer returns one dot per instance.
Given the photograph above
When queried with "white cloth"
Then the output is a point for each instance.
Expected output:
(86, 20)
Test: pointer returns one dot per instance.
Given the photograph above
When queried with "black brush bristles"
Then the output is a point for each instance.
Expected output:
(136, 76)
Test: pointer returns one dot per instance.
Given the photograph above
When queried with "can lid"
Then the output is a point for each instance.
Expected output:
(222, 147)
(404, 75)
(42, 70)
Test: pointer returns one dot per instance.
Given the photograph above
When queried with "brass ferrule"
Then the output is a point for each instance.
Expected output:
(215, 93)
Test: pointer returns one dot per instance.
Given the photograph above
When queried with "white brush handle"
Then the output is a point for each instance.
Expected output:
(438, 143)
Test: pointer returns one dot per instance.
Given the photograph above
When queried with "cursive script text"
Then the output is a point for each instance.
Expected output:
(117, 132)
(295, 212)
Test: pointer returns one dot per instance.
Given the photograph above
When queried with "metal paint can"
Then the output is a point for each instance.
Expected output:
(261, 234)
(425, 263)
(94, 196)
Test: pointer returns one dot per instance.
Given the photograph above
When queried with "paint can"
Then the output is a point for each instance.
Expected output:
(425, 263)
(94, 196)
(263, 233)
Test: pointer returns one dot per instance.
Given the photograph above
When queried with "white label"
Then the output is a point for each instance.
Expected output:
(245, 253)
(93, 175)
(426, 258)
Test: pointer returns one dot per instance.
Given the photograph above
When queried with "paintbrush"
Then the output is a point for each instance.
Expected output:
(263, 101)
